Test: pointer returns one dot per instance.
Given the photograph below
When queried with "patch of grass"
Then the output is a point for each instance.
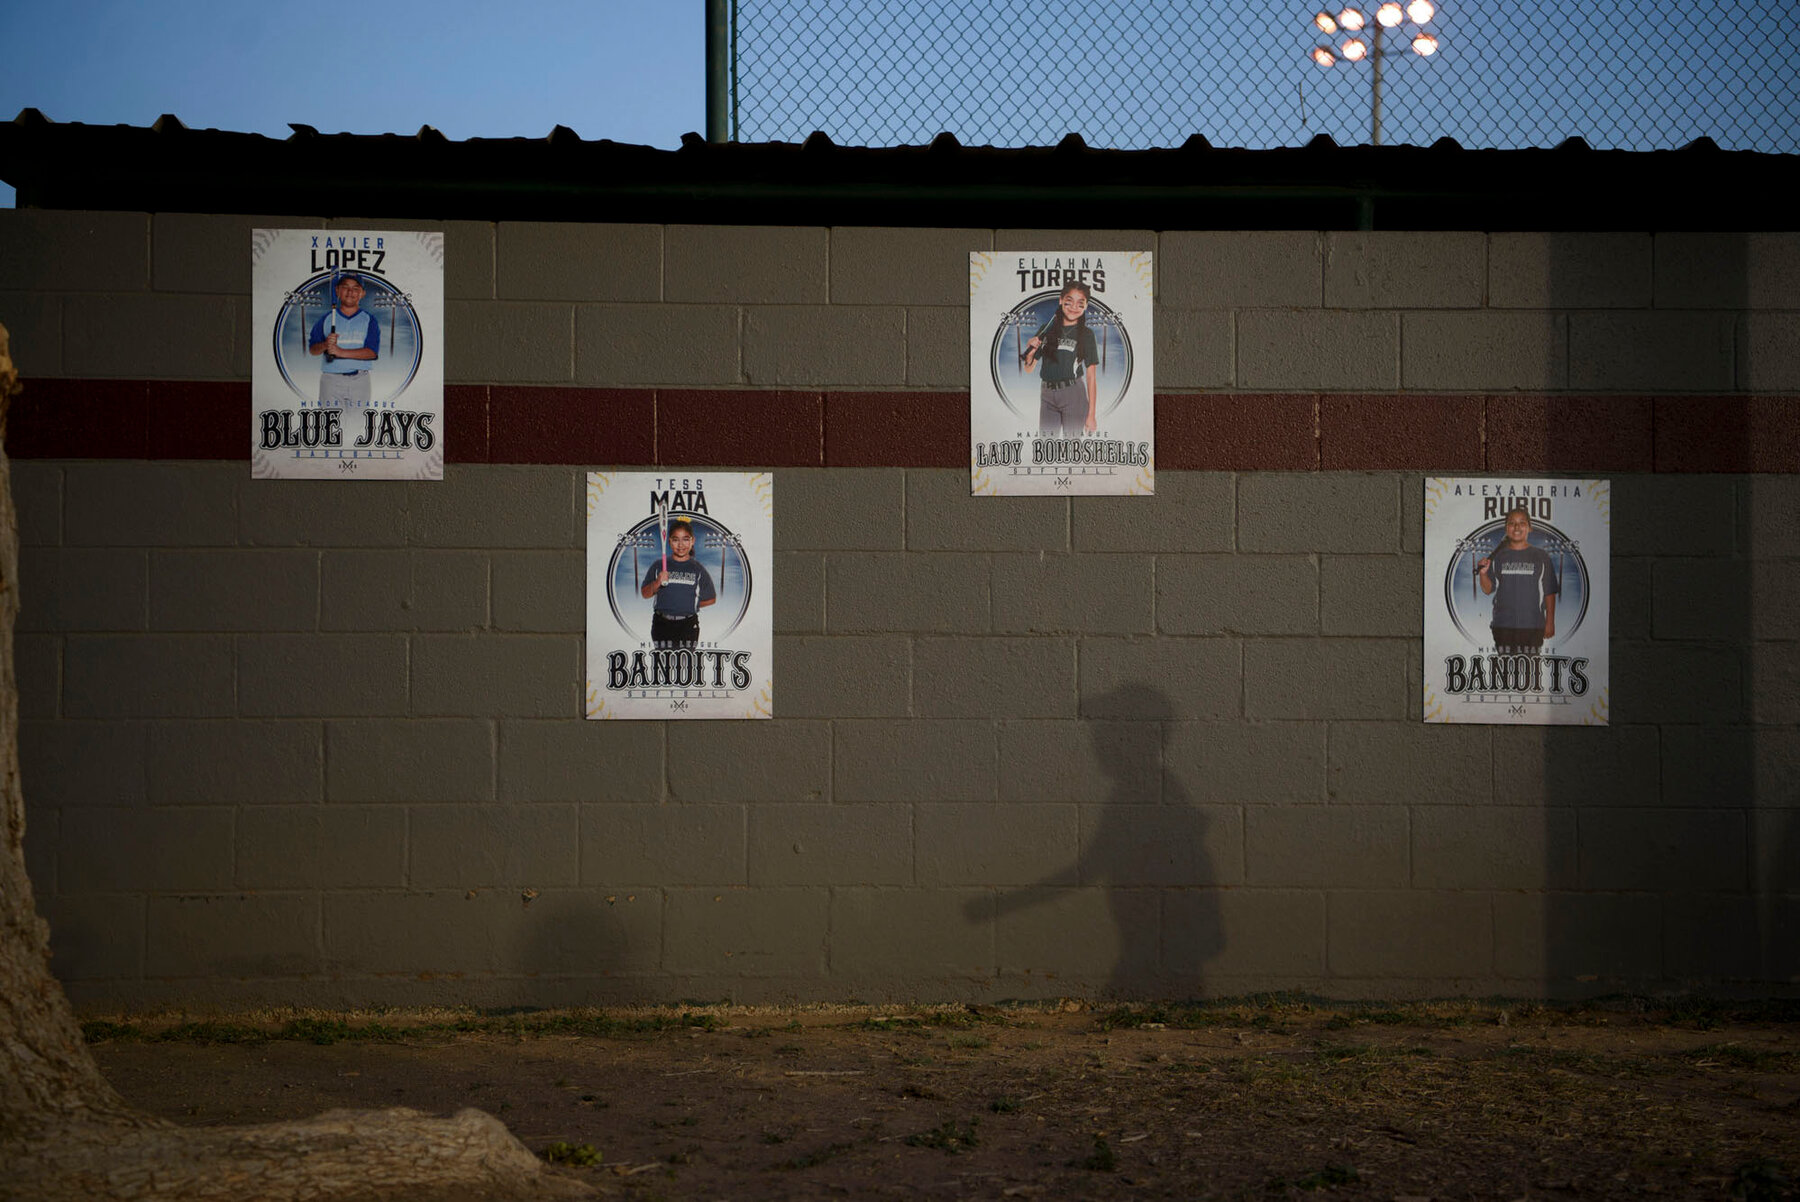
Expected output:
(210, 1032)
(1103, 1159)
(1761, 1180)
(598, 1023)
(1330, 1175)
(1005, 1104)
(100, 1031)
(1416, 1014)
(950, 1017)
(1187, 1018)
(329, 1031)
(1282, 1073)
(1126, 1018)
(816, 1157)
(1702, 1014)
(1587, 1063)
(581, 1155)
(970, 1041)
(1343, 1051)
(1198, 1019)
(1736, 1055)
(1709, 1014)
(887, 1022)
(950, 1135)
(1378, 1018)
(965, 1016)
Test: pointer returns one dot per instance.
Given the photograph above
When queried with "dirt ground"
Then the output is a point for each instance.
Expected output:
(1259, 1099)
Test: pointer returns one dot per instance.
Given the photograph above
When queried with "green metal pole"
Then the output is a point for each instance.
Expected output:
(1375, 89)
(718, 70)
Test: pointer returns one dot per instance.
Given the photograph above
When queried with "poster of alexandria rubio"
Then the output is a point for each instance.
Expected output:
(679, 588)
(1060, 373)
(1517, 593)
(347, 358)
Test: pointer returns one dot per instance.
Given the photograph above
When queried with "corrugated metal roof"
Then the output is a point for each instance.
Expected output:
(168, 167)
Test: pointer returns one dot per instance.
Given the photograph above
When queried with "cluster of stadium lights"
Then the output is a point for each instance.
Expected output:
(1353, 21)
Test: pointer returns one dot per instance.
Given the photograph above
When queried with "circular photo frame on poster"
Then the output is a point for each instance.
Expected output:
(1472, 610)
(402, 343)
(718, 550)
(1018, 384)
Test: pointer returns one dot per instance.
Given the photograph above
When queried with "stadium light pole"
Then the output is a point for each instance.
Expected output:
(1365, 41)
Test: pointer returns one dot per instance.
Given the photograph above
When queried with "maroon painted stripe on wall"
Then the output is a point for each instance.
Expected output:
(174, 419)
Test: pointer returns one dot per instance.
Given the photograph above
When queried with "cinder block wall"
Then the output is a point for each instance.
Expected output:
(320, 743)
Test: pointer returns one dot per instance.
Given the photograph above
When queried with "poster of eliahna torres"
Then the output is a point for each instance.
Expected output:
(679, 594)
(1517, 596)
(347, 363)
(1061, 373)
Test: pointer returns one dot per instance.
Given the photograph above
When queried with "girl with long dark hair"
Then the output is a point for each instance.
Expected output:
(1070, 357)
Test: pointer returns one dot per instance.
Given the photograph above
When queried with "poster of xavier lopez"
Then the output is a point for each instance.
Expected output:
(1061, 368)
(347, 358)
(679, 588)
(1518, 589)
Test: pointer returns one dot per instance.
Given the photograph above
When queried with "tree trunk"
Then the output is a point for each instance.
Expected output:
(66, 1134)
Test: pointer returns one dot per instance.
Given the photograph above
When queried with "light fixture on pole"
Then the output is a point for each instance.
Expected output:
(1357, 47)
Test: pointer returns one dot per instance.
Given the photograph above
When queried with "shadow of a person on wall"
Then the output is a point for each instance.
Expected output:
(1143, 845)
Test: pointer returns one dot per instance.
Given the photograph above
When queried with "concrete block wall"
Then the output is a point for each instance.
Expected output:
(321, 743)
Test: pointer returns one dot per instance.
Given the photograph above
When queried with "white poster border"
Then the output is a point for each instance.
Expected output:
(1561, 576)
(635, 534)
(1013, 298)
(323, 416)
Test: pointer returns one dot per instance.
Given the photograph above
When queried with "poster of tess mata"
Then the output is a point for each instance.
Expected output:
(1061, 373)
(679, 594)
(1518, 590)
(347, 359)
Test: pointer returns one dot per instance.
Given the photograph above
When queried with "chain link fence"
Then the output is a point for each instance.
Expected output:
(1625, 74)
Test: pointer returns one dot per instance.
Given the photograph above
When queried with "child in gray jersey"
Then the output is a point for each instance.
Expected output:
(1525, 591)
(1069, 380)
(681, 587)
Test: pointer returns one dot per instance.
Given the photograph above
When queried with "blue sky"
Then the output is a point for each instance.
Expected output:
(1627, 74)
(633, 72)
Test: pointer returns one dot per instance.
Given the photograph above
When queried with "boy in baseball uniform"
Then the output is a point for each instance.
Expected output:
(350, 339)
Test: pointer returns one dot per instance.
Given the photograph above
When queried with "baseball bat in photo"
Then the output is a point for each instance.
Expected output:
(332, 301)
